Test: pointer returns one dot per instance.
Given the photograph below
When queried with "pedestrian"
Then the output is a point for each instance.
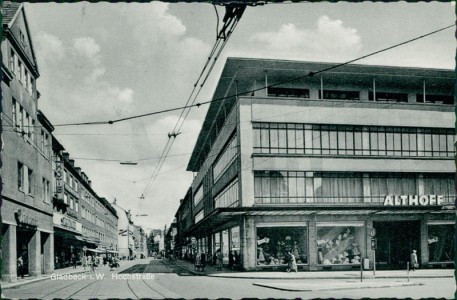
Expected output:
(73, 260)
(413, 261)
(20, 266)
(292, 263)
(84, 261)
(219, 258)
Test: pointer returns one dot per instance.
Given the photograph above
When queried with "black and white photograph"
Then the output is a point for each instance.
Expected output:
(228, 149)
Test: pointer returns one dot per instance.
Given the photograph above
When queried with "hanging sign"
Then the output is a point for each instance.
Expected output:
(413, 200)
(59, 180)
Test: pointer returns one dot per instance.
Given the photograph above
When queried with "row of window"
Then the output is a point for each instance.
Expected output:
(71, 201)
(199, 216)
(198, 196)
(19, 69)
(228, 196)
(355, 95)
(226, 158)
(68, 178)
(352, 140)
(23, 123)
(25, 182)
(275, 187)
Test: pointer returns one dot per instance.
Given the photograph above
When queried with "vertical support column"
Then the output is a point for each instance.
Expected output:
(249, 249)
(48, 253)
(366, 188)
(424, 242)
(245, 142)
(9, 255)
(368, 253)
(35, 254)
(312, 245)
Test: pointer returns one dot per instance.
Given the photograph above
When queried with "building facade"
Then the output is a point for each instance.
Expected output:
(334, 167)
(27, 229)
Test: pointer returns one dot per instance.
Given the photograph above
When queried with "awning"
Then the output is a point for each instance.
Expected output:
(112, 251)
(95, 250)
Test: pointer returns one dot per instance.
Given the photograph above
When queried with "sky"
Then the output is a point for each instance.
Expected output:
(103, 61)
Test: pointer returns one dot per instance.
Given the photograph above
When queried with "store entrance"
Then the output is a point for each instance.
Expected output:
(396, 241)
(23, 237)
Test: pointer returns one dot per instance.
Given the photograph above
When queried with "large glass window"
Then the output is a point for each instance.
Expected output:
(352, 140)
(441, 244)
(228, 196)
(199, 216)
(338, 244)
(440, 184)
(274, 243)
(198, 196)
(226, 158)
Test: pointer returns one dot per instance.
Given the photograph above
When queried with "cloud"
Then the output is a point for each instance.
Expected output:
(49, 47)
(86, 46)
(330, 38)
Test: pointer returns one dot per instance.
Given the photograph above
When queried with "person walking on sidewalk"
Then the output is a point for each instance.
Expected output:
(219, 258)
(73, 260)
(413, 261)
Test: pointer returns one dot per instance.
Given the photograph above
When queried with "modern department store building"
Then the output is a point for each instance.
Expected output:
(324, 163)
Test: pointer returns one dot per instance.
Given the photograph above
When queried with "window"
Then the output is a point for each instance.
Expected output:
(441, 246)
(14, 114)
(46, 191)
(436, 99)
(65, 198)
(275, 242)
(288, 92)
(76, 206)
(199, 216)
(274, 138)
(21, 120)
(30, 181)
(228, 196)
(228, 155)
(13, 60)
(340, 95)
(20, 176)
(198, 196)
(391, 97)
(20, 69)
(339, 244)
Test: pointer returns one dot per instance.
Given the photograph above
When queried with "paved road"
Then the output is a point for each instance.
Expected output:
(158, 280)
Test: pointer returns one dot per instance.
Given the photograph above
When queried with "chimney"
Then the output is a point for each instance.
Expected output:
(66, 156)
(72, 162)
(89, 182)
(78, 169)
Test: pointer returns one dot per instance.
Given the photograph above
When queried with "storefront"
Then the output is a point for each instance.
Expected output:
(68, 240)
(26, 234)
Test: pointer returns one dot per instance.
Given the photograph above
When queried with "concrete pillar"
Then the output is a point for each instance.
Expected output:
(9, 255)
(249, 249)
(368, 253)
(245, 142)
(35, 254)
(48, 253)
(366, 188)
(424, 254)
(312, 245)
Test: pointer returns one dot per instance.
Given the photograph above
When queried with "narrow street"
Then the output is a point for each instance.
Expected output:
(160, 280)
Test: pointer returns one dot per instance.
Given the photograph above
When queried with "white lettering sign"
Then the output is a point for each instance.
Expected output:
(59, 179)
(413, 200)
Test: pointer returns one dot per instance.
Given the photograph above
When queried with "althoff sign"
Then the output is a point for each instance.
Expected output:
(413, 200)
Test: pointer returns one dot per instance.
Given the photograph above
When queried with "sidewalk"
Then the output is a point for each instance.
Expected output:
(367, 274)
(67, 271)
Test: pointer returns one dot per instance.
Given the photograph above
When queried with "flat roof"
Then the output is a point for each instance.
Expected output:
(255, 68)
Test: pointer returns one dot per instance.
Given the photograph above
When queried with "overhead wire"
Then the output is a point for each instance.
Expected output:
(257, 89)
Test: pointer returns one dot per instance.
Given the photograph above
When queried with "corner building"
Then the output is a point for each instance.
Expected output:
(329, 166)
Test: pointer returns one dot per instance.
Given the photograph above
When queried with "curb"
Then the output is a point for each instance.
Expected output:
(340, 288)
(16, 284)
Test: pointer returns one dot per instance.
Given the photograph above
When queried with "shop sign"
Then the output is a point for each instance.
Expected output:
(413, 200)
(25, 219)
(59, 180)
(66, 222)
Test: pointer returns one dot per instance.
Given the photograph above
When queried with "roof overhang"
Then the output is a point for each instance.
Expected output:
(221, 216)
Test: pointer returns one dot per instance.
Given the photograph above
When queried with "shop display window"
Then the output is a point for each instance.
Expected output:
(340, 245)
(274, 244)
(441, 244)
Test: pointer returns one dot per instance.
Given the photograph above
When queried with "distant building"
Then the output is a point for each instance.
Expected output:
(27, 229)
(328, 166)
(125, 241)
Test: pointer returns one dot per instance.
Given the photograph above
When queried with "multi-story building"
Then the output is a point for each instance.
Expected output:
(335, 167)
(184, 220)
(27, 229)
(125, 242)
(82, 219)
